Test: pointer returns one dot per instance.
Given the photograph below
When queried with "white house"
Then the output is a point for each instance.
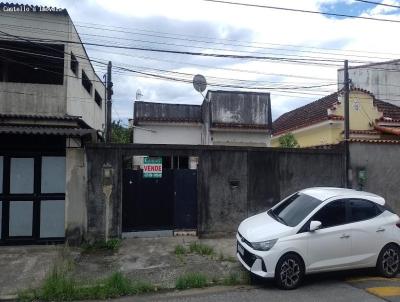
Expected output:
(381, 79)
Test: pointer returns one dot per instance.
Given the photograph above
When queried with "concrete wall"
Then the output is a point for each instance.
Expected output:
(79, 101)
(380, 79)
(234, 185)
(70, 98)
(381, 163)
(233, 182)
(167, 133)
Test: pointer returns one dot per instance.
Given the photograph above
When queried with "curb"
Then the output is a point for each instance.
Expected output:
(7, 298)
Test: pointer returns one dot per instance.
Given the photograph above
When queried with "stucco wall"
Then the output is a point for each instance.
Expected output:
(167, 134)
(381, 162)
(240, 138)
(233, 182)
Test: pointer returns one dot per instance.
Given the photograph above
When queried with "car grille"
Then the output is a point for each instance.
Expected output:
(248, 258)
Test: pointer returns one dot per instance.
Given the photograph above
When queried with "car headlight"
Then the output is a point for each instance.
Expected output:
(264, 245)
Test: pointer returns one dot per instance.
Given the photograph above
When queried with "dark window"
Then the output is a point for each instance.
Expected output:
(74, 64)
(36, 63)
(332, 214)
(97, 98)
(294, 209)
(363, 209)
(86, 83)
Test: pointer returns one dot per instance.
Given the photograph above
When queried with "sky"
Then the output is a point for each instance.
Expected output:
(318, 43)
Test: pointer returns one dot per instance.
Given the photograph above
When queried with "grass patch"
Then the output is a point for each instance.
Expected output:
(102, 245)
(191, 280)
(58, 286)
(180, 250)
(201, 249)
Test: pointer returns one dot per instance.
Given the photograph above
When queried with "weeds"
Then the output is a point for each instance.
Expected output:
(180, 250)
(191, 280)
(58, 286)
(201, 249)
(110, 245)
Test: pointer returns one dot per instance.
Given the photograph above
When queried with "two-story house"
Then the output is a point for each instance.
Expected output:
(51, 103)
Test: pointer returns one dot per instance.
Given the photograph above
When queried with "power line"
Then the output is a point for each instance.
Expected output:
(378, 3)
(302, 11)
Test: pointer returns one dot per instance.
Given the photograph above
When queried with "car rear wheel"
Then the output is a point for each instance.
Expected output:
(289, 272)
(388, 264)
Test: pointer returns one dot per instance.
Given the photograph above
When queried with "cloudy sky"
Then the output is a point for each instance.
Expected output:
(309, 47)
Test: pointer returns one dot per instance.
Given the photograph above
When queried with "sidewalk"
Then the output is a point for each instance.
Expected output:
(144, 259)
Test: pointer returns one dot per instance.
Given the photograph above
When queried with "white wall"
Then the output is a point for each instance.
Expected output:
(382, 80)
(236, 138)
(180, 134)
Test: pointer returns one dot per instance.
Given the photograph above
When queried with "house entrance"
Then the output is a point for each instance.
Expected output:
(159, 202)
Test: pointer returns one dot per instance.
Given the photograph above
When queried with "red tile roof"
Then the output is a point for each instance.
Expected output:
(306, 115)
(317, 112)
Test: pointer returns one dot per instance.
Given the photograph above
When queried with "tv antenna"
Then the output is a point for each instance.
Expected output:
(138, 95)
(199, 83)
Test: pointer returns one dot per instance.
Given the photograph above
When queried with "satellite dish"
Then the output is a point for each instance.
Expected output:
(138, 95)
(199, 83)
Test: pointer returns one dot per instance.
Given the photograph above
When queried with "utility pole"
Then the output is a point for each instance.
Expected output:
(346, 123)
(109, 104)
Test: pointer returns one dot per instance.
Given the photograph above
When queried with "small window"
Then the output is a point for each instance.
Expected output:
(74, 64)
(97, 98)
(86, 82)
(332, 214)
(363, 209)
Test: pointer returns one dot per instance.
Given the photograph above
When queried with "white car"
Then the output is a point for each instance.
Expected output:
(319, 230)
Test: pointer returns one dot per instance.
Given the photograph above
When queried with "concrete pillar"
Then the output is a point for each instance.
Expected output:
(75, 195)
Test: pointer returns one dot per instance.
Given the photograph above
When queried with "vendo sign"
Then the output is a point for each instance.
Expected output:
(152, 167)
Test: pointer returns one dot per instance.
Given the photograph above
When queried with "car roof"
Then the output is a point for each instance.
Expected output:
(324, 193)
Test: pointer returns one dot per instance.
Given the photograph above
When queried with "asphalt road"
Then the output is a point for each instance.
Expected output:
(326, 291)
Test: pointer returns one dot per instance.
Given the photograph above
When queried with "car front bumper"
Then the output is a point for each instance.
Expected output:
(260, 263)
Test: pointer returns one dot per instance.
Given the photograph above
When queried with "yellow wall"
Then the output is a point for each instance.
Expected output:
(362, 114)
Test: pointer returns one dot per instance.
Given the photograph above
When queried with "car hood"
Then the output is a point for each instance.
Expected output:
(263, 227)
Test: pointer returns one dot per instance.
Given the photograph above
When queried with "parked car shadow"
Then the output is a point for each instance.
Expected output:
(315, 279)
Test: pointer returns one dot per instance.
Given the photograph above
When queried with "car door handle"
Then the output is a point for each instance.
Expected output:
(380, 230)
(344, 236)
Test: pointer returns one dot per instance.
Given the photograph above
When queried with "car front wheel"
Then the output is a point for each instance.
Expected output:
(289, 272)
(389, 261)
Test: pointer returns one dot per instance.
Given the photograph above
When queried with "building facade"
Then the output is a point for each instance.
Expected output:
(381, 79)
(322, 122)
(51, 104)
(224, 118)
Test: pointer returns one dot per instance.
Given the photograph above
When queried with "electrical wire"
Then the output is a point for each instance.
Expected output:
(302, 11)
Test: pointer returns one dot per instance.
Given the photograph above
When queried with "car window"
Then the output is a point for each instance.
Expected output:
(294, 209)
(332, 214)
(361, 209)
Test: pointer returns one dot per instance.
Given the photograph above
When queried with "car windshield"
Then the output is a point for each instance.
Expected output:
(294, 209)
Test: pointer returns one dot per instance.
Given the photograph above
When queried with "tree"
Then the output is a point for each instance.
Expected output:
(120, 134)
(288, 141)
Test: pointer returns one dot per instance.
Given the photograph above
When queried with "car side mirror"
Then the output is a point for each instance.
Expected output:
(315, 225)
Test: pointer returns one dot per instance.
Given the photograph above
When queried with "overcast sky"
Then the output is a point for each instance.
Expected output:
(200, 26)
